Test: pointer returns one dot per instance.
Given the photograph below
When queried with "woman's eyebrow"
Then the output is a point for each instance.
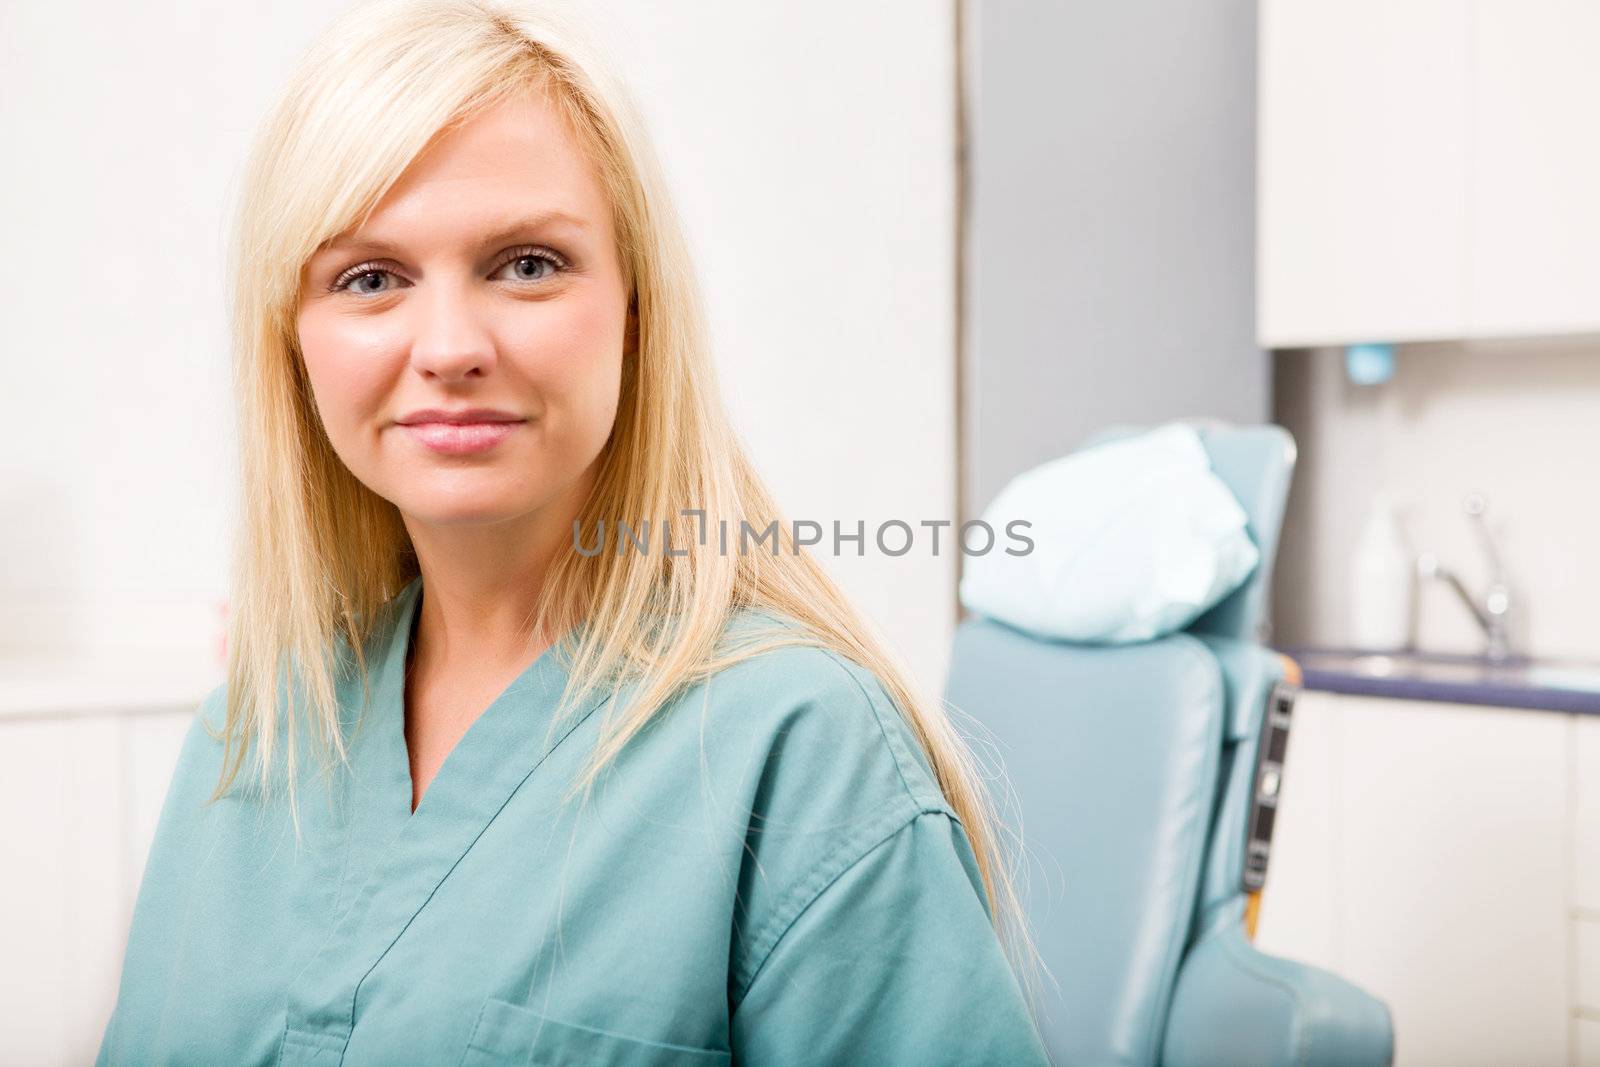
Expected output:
(503, 232)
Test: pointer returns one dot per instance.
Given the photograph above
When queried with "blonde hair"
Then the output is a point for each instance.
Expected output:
(319, 553)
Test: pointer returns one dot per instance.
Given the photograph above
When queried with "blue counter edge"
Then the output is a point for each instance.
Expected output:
(1532, 698)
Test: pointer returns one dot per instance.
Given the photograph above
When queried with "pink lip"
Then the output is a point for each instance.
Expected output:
(459, 438)
(463, 415)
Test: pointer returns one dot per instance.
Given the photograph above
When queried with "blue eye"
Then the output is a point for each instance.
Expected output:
(354, 279)
(541, 260)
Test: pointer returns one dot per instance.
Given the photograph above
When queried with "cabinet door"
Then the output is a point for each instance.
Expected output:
(1586, 826)
(81, 797)
(1453, 830)
(1443, 845)
(1588, 1042)
(1586, 888)
(1535, 195)
(1363, 155)
(62, 896)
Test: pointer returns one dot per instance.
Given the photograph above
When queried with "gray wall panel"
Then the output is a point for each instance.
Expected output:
(1110, 226)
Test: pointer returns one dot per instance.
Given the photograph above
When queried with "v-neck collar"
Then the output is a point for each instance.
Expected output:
(495, 734)
(500, 751)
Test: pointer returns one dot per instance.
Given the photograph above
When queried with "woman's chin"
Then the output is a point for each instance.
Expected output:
(465, 509)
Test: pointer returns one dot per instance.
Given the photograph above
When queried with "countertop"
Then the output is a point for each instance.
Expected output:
(1545, 685)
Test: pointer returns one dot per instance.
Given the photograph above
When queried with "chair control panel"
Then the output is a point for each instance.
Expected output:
(1268, 785)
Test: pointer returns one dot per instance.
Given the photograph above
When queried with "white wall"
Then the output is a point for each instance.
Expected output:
(1517, 420)
(812, 147)
(813, 151)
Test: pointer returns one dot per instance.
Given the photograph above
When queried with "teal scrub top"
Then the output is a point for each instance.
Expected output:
(768, 874)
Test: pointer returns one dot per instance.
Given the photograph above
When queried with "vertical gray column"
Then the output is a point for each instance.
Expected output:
(1109, 260)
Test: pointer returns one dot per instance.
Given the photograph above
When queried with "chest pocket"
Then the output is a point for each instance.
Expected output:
(508, 1033)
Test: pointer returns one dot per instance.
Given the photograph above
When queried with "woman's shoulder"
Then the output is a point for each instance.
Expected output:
(817, 726)
(813, 762)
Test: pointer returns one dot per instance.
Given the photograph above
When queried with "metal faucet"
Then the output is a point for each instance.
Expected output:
(1493, 609)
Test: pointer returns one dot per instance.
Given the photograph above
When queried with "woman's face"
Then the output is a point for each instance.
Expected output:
(465, 346)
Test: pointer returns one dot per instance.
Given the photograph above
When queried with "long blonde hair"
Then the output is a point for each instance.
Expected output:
(319, 553)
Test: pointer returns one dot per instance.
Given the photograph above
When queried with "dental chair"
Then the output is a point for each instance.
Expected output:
(1145, 778)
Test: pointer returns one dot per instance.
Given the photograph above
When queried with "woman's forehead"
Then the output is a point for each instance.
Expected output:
(520, 145)
(514, 170)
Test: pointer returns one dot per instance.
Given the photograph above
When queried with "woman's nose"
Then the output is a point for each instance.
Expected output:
(450, 338)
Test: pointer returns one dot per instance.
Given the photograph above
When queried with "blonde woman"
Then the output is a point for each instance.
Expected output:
(476, 792)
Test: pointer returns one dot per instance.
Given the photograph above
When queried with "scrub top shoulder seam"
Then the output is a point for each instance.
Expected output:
(833, 866)
(930, 797)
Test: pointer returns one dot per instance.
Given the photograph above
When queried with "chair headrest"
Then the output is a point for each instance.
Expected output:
(1257, 464)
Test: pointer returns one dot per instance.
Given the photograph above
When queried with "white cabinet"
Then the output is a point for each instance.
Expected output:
(1586, 817)
(1362, 155)
(1586, 888)
(62, 895)
(81, 794)
(1422, 851)
(1535, 213)
(1427, 169)
(1588, 1043)
(1586, 943)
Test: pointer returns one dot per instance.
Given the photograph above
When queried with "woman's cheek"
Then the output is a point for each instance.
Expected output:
(348, 394)
(579, 371)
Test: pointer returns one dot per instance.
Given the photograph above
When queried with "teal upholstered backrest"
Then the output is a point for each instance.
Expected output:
(1112, 754)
